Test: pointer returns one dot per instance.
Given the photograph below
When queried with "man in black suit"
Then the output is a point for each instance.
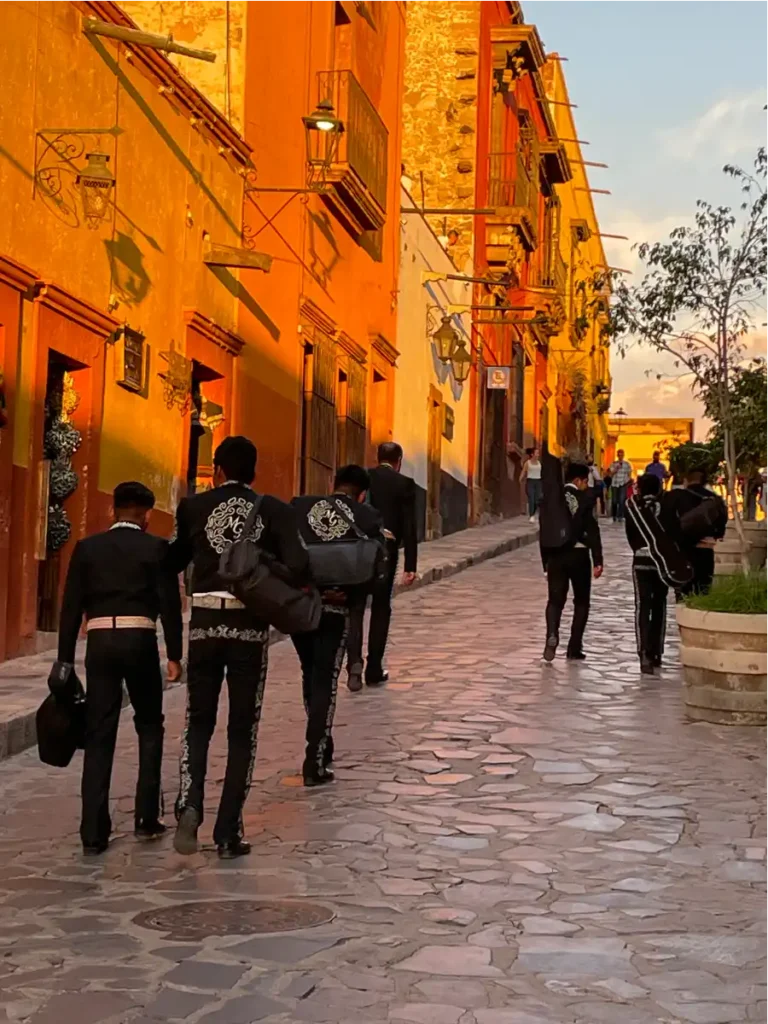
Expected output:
(330, 520)
(394, 496)
(121, 581)
(225, 638)
(572, 563)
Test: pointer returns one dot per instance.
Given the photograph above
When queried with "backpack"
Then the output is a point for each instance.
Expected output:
(702, 520)
(348, 563)
(262, 584)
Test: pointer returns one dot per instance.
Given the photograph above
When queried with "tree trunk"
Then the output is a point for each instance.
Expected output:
(730, 468)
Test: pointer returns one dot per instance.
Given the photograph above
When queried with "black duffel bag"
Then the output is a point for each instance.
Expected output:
(263, 586)
(348, 563)
(60, 719)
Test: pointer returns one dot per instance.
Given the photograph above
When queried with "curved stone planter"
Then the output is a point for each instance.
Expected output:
(728, 550)
(724, 666)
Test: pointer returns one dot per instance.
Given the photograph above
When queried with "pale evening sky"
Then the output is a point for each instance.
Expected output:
(667, 92)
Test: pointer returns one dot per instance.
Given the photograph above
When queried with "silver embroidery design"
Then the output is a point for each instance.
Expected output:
(228, 633)
(323, 744)
(326, 522)
(225, 524)
(572, 502)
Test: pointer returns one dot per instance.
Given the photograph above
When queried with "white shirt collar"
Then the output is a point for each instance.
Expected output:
(125, 525)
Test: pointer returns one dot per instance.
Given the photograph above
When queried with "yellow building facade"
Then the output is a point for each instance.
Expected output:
(578, 362)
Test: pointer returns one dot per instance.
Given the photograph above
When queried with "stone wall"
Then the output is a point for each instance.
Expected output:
(440, 112)
(219, 27)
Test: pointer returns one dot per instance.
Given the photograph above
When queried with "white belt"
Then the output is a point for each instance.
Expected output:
(120, 622)
(217, 603)
(578, 544)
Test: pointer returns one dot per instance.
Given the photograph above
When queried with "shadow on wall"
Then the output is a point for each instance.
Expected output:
(130, 280)
(323, 248)
(240, 292)
(161, 129)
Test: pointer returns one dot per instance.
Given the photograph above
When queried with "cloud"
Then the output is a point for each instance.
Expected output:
(637, 390)
(731, 126)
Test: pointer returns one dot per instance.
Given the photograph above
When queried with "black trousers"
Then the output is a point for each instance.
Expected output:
(703, 562)
(378, 629)
(114, 656)
(650, 609)
(222, 643)
(569, 568)
(321, 654)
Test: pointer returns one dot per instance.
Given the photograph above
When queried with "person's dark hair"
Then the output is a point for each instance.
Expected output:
(576, 471)
(656, 455)
(697, 476)
(529, 452)
(390, 452)
(353, 478)
(236, 458)
(649, 484)
(132, 496)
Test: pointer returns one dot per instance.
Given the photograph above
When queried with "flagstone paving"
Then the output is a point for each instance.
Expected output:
(507, 843)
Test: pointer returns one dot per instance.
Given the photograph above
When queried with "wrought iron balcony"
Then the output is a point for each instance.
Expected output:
(513, 193)
(358, 173)
(553, 274)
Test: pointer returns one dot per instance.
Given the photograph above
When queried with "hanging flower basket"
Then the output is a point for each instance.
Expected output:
(63, 480)
(59, 528)
(62, 441)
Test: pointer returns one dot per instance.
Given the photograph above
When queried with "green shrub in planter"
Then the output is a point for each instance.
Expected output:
(735, 593)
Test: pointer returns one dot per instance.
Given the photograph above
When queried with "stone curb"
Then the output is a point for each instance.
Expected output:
(19, 734)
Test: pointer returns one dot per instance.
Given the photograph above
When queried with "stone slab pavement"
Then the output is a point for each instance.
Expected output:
(506, 843)
(23, 681)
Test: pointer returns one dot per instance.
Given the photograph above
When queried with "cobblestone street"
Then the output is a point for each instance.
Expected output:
(507, 843)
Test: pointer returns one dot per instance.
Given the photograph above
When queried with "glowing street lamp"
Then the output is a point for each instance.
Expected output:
(461, 361)
(96, 183)
(445, 339)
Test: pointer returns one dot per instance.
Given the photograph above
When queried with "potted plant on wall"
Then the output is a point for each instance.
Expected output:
(723, 650)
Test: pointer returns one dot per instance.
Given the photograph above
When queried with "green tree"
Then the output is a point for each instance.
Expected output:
(699, 300)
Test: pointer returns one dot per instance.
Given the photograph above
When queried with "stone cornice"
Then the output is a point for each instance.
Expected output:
(351, 347)
(77, 310)
(385, 349)
(16, 274)
(211, 331)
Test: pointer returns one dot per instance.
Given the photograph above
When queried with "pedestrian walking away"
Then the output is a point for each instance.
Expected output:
(696, 518)
(334, 522)
(394, 496)
(650, 590)
(225, 638)
(657, 468)
(532, 476)
(596, 486)
(121, 581)
(621, 474)
(574, 562)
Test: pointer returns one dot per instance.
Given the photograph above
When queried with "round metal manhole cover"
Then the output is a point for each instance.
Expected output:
(191, 922)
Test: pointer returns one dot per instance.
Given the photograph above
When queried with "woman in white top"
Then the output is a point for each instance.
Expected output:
(533, 486)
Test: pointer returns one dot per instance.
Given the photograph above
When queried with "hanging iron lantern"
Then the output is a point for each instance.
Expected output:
(96, 183)
(445, 339)
(461, 361)
(323, 131)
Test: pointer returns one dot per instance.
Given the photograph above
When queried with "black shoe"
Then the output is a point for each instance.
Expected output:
(376, 678)
(150, 830)
(95, 849)
(656, 661)
(355, 680)
(576, 656)
(318, 777)
(233, 849)
(185, 840)
(550, 649)
(646, 665)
